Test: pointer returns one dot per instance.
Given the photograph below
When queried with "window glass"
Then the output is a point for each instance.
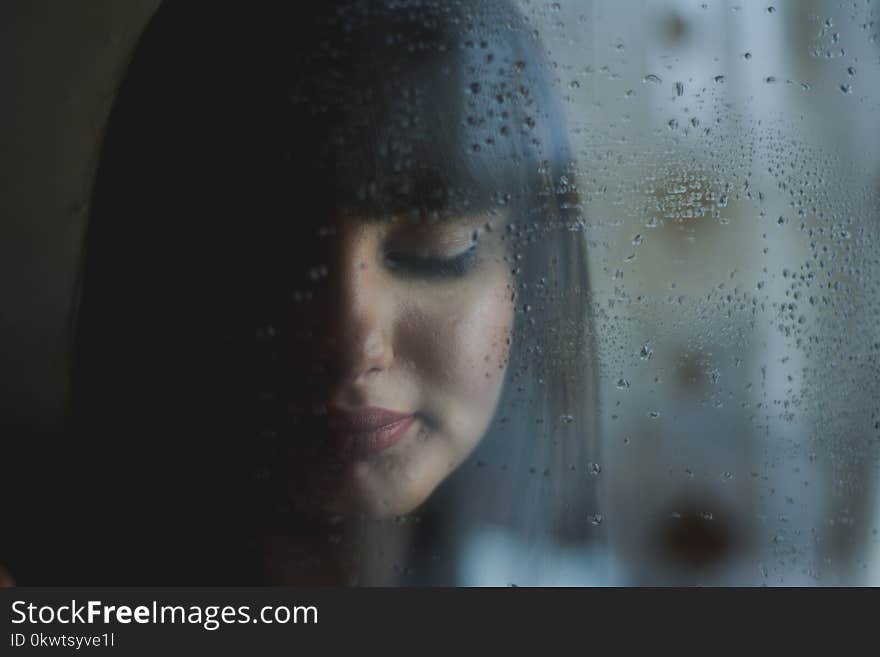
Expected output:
(453, 293)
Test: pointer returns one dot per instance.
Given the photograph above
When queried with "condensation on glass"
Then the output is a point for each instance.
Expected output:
(486, 293)
(727, 158)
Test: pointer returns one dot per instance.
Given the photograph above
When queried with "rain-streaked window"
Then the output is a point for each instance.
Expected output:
(445, 293)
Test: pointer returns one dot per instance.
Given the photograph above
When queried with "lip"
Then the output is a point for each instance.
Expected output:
(358, 433)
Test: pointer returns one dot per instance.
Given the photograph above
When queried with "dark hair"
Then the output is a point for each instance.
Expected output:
(236, 131)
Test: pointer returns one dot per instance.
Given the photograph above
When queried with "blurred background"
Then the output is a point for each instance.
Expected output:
(729, 167)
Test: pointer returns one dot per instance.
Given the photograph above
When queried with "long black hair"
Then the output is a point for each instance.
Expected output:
(237, 132)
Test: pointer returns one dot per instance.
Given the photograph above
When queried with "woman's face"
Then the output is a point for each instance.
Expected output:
(410, 329)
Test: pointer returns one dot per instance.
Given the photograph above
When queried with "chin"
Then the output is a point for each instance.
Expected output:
(376, 508)
(384, 509)
(379, 498)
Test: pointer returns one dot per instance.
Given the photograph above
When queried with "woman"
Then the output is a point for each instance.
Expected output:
(331, 253)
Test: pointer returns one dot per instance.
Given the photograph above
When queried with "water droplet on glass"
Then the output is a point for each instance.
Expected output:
(771, 10)
(653, 79)
(719, 79)
(679, 88)
(747, 56)
(318, 272)
(846, 88)
(596, 519)
(646, 352)
(851, 70)
(265, 333)
(622, 384)
(595, 468)
(770, 79)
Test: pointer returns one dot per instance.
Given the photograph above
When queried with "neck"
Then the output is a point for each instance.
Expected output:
(350, 551)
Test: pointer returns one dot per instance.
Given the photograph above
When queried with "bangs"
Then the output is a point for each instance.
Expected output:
(438, 120)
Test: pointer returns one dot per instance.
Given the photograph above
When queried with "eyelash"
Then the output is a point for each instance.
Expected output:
(433, 266)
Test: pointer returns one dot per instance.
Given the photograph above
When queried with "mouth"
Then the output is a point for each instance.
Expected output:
(364, 432)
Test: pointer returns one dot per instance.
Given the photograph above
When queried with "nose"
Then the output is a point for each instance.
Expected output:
(358, 333)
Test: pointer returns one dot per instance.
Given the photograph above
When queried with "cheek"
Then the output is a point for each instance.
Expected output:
(458, 343)
(481, 333)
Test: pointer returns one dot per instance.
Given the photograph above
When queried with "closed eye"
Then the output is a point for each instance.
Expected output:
(430, 266)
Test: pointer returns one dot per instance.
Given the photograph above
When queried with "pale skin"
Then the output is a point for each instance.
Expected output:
(412, 333)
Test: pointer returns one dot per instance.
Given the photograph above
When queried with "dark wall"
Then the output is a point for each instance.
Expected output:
(59, 63)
